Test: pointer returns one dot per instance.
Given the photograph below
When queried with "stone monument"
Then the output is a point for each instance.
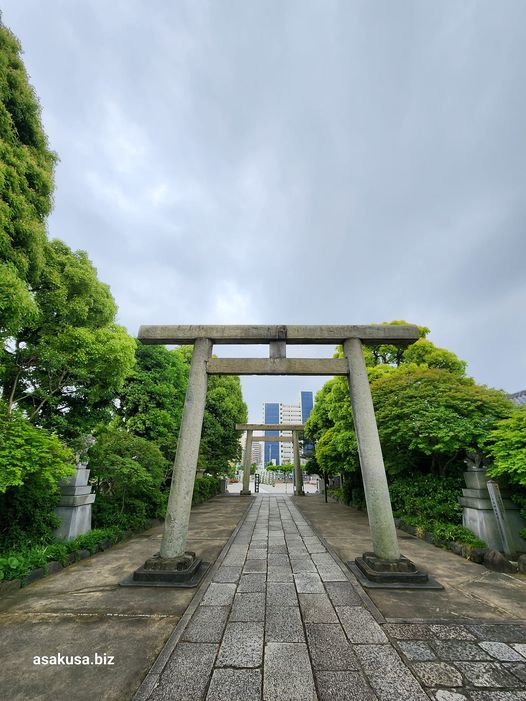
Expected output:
(74, 508)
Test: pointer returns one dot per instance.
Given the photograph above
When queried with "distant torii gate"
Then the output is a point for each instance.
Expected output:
(173, 563)
(250, 428)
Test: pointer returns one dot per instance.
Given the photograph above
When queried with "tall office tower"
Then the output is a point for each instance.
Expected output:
(279, 413)
(271, 416)
(257, 453)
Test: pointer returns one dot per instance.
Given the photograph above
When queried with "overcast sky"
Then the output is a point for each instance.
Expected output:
(294, 162)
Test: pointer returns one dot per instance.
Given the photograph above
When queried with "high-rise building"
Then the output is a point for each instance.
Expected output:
(279, 413)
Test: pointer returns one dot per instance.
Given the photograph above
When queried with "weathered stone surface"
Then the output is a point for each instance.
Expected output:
(207, 624)
(501, 651)
(304, 564)
(450, 632)
(317, 608)
(227, 574)
(498, 695)
(329, 648)
(235, 685)
(522, 563)
(416, 650)
(277, 549)
(389, 677)
(502, 632)
(279, 559)
(495, 561)
(287, 674)
(279, 573)
(360, 627)
(520, 648)
(283, 625)
(459, 650)
(308, 583)
(445, 695)
(260, 554)
(343, 594)
(437, 674)
(248, 607)
(343, 686)
(490, 674)
(187, 673)
(219, 594)
(252, 583)
(254, 566)
(242, 645)
(408, 631)
(518, 669)
(281, 594)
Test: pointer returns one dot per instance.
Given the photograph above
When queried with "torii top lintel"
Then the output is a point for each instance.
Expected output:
(298, 335)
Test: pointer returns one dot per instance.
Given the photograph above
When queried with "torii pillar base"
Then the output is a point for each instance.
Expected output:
(245, 493)
(373, 572)
(180, 572)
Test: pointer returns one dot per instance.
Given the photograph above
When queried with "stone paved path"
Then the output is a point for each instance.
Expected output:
(282, 621)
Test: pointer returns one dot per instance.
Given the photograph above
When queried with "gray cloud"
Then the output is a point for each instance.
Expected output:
(301, 162)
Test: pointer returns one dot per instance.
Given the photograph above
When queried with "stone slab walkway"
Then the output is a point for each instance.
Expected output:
(282, 621)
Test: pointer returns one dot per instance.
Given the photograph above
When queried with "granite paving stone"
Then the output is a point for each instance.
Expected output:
(501, 651)
(260, 554)
(235, 685)
(343, 594)
(437, 674)
(248, 607)
(490, 674)
(518, 669)
(283, 625)
(304, 564)
(242, 645)
(281, 594)
(520, 648)
(359, 625)
(500, 632)
(450, 632)
(447, 695)
(253, 566)
(207, 624)
(287, 673)
(409, 631)
(498, 695)
(317, 608)
(277, 549)
(329, 648)
(219, 594)
(252, 583)
(227, 574)
(308, 583)
(279, 573)
(332, 575)
(343, 686)
(187, 673)
(280, 559)
(416, 650)
(459, 650)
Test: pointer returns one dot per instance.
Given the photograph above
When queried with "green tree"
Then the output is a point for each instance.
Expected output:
(507, 447)
(128, 473)
(65, 368)
(26, 186)
(151, 400)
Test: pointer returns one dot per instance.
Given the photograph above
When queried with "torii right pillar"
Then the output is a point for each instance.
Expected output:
(385, 565)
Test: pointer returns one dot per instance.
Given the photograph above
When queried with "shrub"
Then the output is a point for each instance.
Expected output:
(205, 488)
(428, 496)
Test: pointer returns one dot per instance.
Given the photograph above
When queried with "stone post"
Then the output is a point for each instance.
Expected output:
(247, 465)
(298, 477)
(381, 522)
(180, 500)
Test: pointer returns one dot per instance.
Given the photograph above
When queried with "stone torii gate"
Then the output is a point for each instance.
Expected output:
(173, 563)
(250, 428)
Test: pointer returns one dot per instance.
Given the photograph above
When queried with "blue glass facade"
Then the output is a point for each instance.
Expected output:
(307, 402)
(271, 449)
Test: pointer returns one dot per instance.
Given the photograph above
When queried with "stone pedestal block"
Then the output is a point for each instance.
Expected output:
(479, 516)
(74, 508)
